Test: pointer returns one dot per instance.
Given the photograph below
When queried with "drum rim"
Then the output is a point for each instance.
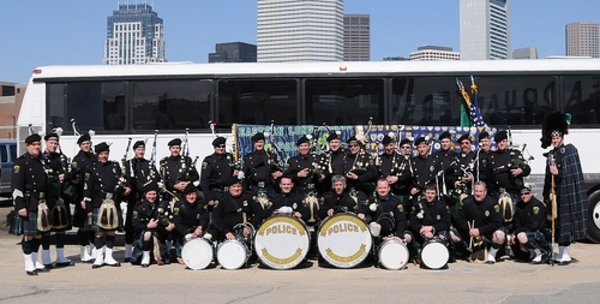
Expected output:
(257, 244)
(199, 241)
(238, 243)
(393, 242)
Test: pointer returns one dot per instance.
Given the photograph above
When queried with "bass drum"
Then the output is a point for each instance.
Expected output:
(233, 254)
(434, 254)
(344, 240)
(197, 253)
(393, 254)
(282, 242)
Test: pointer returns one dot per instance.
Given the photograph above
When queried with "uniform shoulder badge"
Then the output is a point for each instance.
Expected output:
(87, 176)
(216, 203)
(74, 163)
(204, 164)
(562, 150)
(496, 208)
(536, 209)
(412, 209)
(16, 169)
(135, 214)
(400, 208)
(175, 210)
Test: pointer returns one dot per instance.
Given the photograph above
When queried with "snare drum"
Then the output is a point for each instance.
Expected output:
(233, 254)
(197, 253)
(344, 240)
(282, 242)
(393, 254)
(434, 254)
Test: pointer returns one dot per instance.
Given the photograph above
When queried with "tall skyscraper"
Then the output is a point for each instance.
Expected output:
(300, 30)
(134, 35)
(233, 52)
(484, 29)
(357, 37)
(583, 39)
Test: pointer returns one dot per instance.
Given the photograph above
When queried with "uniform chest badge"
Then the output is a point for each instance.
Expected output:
(562, 150)
(373, 207)
(245, 203)
(536, 210)
(239, 210)
(438, 217)
(431, 168)
(487, 213)
(294, 206)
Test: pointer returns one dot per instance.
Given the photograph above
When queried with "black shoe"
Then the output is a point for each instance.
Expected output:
(490, 262)
(127, 260)
(65, 264)
(90, 261)
(113, 265)
(96, 266)
(145, 265)
(563, 263)
(48, 266)
(31, 273)
(45, 269)
(536, 262)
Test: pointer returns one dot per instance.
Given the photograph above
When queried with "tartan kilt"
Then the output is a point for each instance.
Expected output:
(27, 227)
(93, 226)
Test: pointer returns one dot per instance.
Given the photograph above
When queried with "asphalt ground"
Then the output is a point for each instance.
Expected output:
(507, 281)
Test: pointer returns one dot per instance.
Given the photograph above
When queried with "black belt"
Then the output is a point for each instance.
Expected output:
(221, 189)
(35, 194)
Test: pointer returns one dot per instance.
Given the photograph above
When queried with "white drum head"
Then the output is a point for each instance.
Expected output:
(393, 255)
(197, 254)
(344, 240)
(434, 255)
(282, 242)
(232, 254)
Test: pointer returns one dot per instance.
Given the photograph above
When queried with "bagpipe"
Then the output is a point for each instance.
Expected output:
(232, 157)
(184, 169)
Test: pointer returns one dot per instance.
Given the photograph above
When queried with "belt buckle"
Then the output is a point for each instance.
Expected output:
(310, 186)
(109, 195)
(261, 184)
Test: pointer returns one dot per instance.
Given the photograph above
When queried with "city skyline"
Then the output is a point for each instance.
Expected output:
(71, 32)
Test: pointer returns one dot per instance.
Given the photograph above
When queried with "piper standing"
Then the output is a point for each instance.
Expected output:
(565, 177)
(28, 182)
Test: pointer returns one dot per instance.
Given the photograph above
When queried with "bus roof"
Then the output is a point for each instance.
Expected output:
(338, 69)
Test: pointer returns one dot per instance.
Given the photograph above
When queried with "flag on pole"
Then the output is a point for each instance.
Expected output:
(474, 109)
(465, 120)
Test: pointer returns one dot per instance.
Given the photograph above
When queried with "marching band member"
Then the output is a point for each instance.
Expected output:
(331, 162)
(466, 157)
(29, 182)
(218, 171)
(395, 167)
(360, 169)
(339, 199)
(80, 163)
(173, 167)
(385, 213)
(56, 165)
(447, 158)
(429, 218)
(149, 223)
(506, 176)
(300, 168)
(485, 148)
(190, 218)
(139, 172)
(258, 168)
(531, 229)
(565, 175)
(484, 212)
(101, 182)
(230, 209)
(425, 167)
(288, 198)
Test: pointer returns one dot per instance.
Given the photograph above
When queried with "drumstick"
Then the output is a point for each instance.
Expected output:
(471, 226)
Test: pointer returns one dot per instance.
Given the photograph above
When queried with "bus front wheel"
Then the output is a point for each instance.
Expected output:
(594, 219)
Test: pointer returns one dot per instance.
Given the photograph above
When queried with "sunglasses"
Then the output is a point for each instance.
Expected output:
(525, 193)
(221, 146)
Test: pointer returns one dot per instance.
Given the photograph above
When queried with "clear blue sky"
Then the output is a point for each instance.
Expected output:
(35, 32)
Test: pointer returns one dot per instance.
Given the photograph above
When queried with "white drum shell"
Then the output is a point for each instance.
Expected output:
(434, 254)
(393, 254)
(232, 254)
(282, 242)
(197, 254)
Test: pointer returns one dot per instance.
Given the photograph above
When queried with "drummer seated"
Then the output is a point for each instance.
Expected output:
(479, 220)
(190, 218)
(385, 214)
(288, 198)
(429, 219)
(236, 207)
(338, 200)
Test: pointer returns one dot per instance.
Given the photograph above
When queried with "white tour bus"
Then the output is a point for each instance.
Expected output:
(124, 101)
